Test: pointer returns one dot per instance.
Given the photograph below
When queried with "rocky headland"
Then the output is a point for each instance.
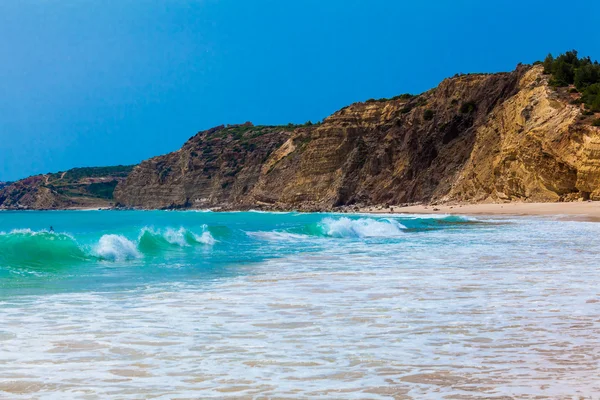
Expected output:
(73, 189)
(530, 135)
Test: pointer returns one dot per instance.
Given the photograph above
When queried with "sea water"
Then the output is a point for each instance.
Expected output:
(158, 304)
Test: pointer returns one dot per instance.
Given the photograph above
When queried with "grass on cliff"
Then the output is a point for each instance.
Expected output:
(404, 96)
(80, 182)
(249, 131)
(75, 174)
(568, 69)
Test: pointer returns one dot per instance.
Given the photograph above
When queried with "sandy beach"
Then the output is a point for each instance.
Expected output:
(579, 211)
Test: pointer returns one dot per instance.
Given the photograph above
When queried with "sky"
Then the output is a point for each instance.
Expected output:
(106, 82)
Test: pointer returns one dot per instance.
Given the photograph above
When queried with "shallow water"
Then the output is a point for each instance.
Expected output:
(287, 305)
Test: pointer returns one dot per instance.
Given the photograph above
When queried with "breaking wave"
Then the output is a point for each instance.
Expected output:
(116, 248)
(336, 228)
(360, 228)
(35, 249)
(39, 249)
(151, 240)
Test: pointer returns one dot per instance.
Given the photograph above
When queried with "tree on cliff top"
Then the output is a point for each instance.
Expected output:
(569, 69)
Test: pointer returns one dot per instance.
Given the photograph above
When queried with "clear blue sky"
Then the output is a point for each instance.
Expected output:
(102, 82)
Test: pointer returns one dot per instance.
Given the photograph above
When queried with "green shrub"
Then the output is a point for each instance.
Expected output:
(468, 107)
(568, 69)
(591, 97)
(548, 61)
(596, 122)
(406, 109)
(586, 75)
(381, 100)
(428, 115)
(404, 96)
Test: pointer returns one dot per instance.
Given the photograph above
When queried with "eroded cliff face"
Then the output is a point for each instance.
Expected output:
(216, 168)
(76, 188)
(474, 138)
(535, 146)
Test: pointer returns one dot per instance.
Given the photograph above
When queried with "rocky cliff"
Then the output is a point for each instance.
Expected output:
(75, 188)
(474, 138)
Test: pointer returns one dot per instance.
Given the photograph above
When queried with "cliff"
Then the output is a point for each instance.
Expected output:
(474, 138)
(75, 188)
(217, 167)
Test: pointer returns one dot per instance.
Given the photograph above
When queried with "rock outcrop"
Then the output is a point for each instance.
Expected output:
(217, 167)
(76, 188)
(474, 138)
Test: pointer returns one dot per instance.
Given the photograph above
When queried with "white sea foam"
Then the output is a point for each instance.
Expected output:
(181, 237)
(28, 232)
(478, 305)
(205, 238)
(361, 228)
(176, 237)
(270, 212)
(116, 248)
(277, 236)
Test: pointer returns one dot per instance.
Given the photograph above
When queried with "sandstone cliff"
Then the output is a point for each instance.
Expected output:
(76, 188)
(474, 138)
(217, 167)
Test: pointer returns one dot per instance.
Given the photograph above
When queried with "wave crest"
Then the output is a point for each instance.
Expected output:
(151, 240)
(24, 247)
(116, 248)
(361, 228)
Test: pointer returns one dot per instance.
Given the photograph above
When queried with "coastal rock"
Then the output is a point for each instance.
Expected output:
(215, 168)
(505, 137)
(475, 138)
(75, 188)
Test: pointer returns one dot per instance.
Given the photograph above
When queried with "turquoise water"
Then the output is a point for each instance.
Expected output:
(100, 251)
(160, 304)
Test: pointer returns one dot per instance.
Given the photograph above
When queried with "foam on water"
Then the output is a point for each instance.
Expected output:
(277, 236)
(361, 228)
(310, 306)
(116, 248)
(205, 238)
(151, 239)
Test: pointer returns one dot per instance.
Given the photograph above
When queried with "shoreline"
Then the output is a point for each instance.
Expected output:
(568, 211)
(573, 211)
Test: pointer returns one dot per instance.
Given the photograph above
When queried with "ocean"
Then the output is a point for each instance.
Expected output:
(197, 305)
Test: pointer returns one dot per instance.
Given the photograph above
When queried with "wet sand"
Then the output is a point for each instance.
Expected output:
(577, 211)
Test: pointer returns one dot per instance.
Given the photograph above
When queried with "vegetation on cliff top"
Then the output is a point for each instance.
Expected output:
(98, 182)
(75, 174)
(65, 187)
(568, 69)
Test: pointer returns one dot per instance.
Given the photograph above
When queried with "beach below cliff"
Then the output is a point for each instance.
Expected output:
(572, 211)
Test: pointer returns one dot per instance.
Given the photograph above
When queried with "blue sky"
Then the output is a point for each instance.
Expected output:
(103, 82)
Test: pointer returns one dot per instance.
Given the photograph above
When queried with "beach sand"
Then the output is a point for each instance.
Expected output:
(575, 211)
